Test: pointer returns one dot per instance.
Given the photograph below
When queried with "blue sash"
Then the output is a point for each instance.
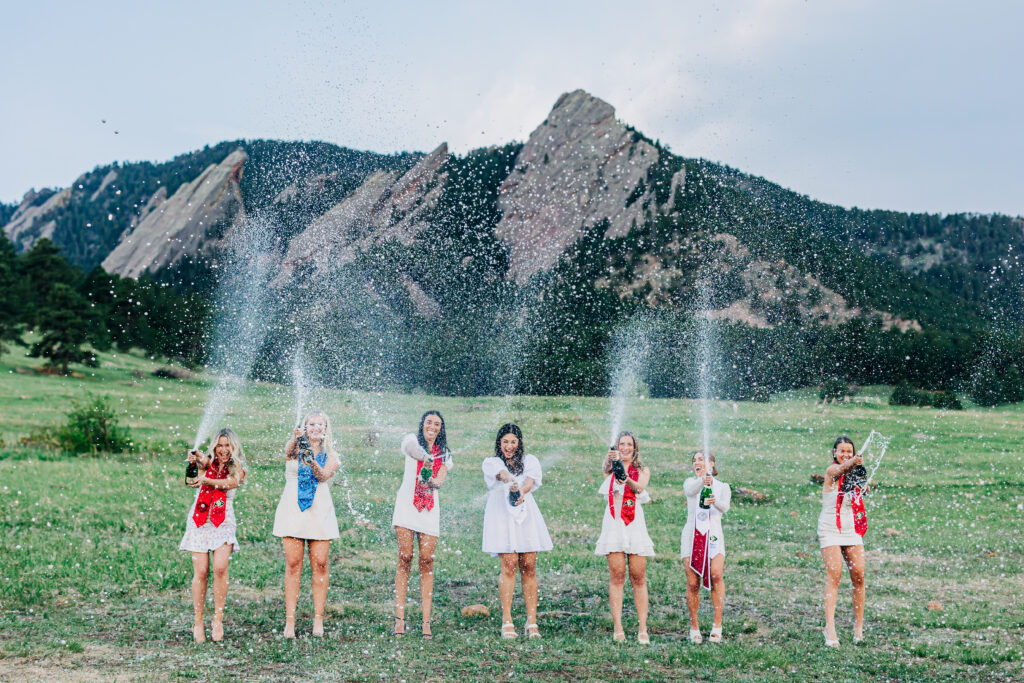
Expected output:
(308, 482)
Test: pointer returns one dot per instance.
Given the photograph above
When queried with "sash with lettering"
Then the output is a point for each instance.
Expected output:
(700, 560)
(860, 514)
(212, 503)
(628, 511)
(422, 495)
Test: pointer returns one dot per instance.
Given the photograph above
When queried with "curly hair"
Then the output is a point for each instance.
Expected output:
(515, 466)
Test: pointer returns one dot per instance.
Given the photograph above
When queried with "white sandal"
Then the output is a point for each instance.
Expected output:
(831, 643)
(695, 637)
(715, 635)
(506, 632)
(532, 631)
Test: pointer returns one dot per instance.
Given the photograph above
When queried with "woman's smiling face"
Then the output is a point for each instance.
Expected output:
(509, 445)
(843, 452)
(431, 427)
(625, 448)
(222, 451)
(316, 426)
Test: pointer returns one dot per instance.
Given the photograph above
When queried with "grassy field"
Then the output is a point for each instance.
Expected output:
(92, 585)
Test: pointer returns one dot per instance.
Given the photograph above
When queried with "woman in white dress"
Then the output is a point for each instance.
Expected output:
(514, 528)
(305, 514)
(210, 527)
(624, 539)
(841, 527)
(418, 512)
(703, 544)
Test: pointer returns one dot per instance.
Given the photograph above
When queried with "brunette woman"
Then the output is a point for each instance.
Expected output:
(305, 518)
(624, 539)
(514, 528)
(210, 527)
(703, 545)
(418, 512)
(841, 527)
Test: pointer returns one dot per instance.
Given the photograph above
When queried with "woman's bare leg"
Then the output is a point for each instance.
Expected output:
(200, 574)
(528, 569)
(405, 538)
(692, 594)
(833, 559)
(718, 587)
(854, 555)
(638, 577)
(318, 562)
(427, 545)
(293, 549)
(507, 584)
(221, 556)
(616, 581)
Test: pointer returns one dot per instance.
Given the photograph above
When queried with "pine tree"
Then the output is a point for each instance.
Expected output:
(64, 324)
(10, 295)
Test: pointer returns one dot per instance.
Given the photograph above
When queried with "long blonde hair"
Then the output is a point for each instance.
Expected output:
(636, 453)
(328, 444)
(236, 459)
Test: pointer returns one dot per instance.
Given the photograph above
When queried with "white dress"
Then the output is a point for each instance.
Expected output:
(828, 534)
(723, 496)
(209, 537)
(406, 515)
(509, 529)
(318, 522)
(616, 536)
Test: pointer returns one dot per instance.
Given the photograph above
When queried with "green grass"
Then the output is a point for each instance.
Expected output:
(92, 584)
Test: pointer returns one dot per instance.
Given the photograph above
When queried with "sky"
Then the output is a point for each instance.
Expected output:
(911, 106)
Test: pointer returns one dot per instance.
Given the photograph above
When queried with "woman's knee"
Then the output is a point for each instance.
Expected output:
(405, 559)
(426, 564)
(509, 567)
(638, 577)
(200, 574)
(617, 576)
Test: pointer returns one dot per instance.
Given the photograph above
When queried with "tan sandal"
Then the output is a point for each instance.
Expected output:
(508, 630)
(532, 631)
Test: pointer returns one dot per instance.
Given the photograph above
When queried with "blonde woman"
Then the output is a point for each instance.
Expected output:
(305, 517)
(624, 539)
(703, 544)
(210, 527)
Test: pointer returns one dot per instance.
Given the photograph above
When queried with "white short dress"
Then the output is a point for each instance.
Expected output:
(208, 537)
(723, 497)
(828, 533)
(318, 522)
(616, 536)
(406, 515)
(509, 529)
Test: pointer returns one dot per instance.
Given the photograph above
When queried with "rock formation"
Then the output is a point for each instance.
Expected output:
(183, 225)
(579, 167)
(34, 217)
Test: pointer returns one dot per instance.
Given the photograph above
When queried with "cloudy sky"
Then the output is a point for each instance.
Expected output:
(878, 104)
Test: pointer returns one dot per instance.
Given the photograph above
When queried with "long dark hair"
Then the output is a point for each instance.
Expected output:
(441, 440)
(842, 439)
(516, 466)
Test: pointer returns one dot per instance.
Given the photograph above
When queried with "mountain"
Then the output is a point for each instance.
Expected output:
(555, 242)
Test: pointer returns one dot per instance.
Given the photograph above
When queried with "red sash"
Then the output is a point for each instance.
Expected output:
(628, 511)
(422, 495)
(699, 560)
(212, 502)
(860, 514)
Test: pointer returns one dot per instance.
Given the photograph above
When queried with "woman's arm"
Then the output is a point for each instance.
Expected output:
(692, 486)
(412, 449)
(835, 471)
(226, 484)
(495, 473)
(640, 484)
(532, 471)
(528, 485)
(291, 449)
(438, 479)
(723, 503)
(327, 471)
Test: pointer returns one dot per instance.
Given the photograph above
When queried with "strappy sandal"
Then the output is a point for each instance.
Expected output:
(619, 636)
(199, 633)
(217, 630)
(395, 632)
(716, 635)
(695, 637)
(508, 630)
(643, 638)
(831, 643)
(424, 633)
(532, 631)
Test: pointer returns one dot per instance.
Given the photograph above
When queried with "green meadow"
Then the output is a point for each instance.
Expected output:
(92, 585)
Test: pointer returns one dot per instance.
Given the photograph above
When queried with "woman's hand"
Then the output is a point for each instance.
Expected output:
(710, 500)
(708, 480)
(522, 499)
(613, 454)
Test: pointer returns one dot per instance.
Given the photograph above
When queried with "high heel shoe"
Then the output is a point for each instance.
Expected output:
(395, 632)
(425, 631)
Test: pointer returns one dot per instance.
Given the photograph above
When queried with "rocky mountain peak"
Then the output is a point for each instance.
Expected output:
(579, 167)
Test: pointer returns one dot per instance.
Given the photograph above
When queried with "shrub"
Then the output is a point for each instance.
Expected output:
(92, 427)
(833, 390)
(905, 395)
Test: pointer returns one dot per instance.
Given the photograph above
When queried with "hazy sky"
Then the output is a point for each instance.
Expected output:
(878, 104)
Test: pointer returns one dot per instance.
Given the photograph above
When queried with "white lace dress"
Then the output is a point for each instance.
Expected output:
(513, 529)
(616, 536)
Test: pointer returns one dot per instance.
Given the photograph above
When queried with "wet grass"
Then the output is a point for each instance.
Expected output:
(92, 586)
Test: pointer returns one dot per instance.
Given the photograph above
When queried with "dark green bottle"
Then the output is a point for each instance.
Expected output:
(705, 493)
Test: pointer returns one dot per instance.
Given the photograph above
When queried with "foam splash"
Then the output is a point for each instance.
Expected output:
(628, 358)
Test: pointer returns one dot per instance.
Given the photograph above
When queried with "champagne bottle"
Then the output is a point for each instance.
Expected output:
(191, 472)
(427, 471)
(705, 493)
(305, 449)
